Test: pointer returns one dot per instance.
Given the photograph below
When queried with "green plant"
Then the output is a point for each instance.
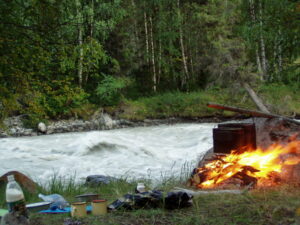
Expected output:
(110, 89)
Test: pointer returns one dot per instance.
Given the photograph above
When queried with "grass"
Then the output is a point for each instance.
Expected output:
(275, 205)
(279, 99)
(185, 105)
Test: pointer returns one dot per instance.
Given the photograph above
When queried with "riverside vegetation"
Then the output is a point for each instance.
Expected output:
(280, 99)
(277, 205)
(145, 59)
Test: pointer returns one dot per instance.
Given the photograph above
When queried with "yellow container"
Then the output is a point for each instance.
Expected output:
(99, 207)
(78, 209)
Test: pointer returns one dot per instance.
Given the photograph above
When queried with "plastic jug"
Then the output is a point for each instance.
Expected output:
(15, 197)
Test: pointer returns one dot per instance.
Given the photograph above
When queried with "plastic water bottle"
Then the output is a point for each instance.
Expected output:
(15, 197)
(57, 200)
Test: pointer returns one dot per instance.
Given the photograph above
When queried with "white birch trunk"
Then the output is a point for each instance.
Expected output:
(91, 31)
(80, 61)
(280, 52)
(159, 61)
(135, 22)
(183, 53)
(92, 20)
(184, 61)
(190, 57)
(258, 61)
(262, 43)
(192, 64)
(80, 42)
(146, 37)
(154, 77)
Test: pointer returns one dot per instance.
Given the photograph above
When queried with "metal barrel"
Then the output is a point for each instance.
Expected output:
(249, 132)
(227, 139)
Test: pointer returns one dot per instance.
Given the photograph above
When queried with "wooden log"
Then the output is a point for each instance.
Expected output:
(256, 99)
(201, 192)
(250, 112)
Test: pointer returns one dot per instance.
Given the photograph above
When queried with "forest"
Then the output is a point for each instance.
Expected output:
(59, 56)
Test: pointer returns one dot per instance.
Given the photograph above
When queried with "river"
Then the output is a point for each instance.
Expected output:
(145, 152)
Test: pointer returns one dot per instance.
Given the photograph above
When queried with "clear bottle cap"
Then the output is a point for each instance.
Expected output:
(10, 178)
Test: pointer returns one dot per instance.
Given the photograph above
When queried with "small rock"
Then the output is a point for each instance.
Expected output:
(106, 122)
(123, 122)
(99, 179)
(28, 132)
(98, 114)
(3, 134)
(42, 127)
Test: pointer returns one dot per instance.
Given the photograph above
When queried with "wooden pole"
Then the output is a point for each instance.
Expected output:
(250, 112)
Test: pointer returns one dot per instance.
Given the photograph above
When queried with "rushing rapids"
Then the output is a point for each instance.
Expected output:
(256, 165)
(143, 152)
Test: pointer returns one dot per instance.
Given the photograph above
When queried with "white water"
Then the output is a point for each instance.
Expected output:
(148, 152)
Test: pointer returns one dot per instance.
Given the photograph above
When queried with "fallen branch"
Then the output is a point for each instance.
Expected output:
(256, 99)
(199, 193)
(250, 112)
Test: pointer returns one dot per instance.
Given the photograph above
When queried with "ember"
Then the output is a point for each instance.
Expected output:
(252, 167)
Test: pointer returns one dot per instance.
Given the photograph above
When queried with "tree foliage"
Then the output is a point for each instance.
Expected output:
(56, 55)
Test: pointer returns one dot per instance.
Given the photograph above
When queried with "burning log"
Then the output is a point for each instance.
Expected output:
(257, 167)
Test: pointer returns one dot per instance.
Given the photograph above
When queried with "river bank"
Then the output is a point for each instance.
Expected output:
(168, 108)
(14, 126)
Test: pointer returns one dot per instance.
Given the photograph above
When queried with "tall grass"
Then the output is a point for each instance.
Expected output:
(275, 205)
(69, 187)
(282, 99)
(178, 104)
(278, 98)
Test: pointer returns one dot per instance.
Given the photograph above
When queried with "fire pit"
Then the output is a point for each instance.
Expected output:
(251, 167)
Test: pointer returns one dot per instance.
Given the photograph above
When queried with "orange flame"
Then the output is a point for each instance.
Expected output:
(260, 163)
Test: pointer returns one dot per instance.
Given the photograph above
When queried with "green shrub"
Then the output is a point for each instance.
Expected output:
(84, 111)
(110, 89)
(56, 100)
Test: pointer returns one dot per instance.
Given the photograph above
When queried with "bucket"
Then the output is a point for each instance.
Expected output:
(249, 132)
(227, 139)
(78, 209)
(99, 207)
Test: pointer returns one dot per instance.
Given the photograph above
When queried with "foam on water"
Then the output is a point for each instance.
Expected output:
(133, 152)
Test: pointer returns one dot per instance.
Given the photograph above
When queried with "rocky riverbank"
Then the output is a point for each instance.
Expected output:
(14, 126)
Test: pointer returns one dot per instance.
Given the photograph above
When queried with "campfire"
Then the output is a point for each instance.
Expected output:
(250, 167)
